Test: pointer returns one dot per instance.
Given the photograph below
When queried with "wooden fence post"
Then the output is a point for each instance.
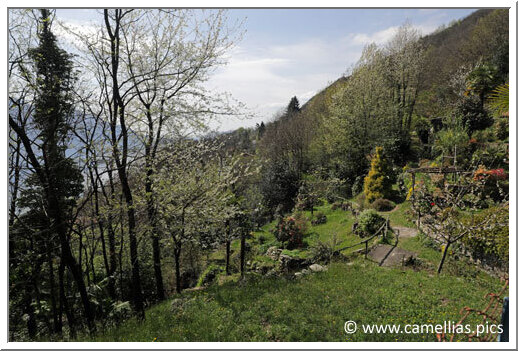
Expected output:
(413, 188)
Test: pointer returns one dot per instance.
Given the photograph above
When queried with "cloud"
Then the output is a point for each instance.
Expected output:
(265, 78)
(379, 37)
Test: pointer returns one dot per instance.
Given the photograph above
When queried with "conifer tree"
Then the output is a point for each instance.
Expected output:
(377, 184)
(293, 106)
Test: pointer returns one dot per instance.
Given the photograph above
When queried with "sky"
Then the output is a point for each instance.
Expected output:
(297, 52)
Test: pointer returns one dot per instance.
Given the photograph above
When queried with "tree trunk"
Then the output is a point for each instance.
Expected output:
(443, 258)
(227, 249)
(29, 311)
(243, 252)
(177, 252)
(111, 240)
(68, 258)
(63, 302)
(157, 267)
(227, 257)
(14, 194)
(136, 287)
(121, 157)
(151, 214)
(57, 326)
(113, 261)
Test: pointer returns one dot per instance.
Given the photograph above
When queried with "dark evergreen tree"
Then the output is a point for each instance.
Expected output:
(59, 179)
(260, 130)
(293, 106)
(279, 186)
(473, 114)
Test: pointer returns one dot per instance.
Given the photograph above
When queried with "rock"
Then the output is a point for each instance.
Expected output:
(271, 273)
(288, 263)
(273, 252)
(305, 271)
(317, 268)
(299, 275)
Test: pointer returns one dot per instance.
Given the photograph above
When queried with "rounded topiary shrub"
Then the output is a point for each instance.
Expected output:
(383, 205)
(369, 222)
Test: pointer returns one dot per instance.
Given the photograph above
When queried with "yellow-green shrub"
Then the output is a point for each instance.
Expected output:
(377, 184)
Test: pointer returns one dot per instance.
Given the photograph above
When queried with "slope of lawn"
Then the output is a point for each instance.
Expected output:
(315, 307)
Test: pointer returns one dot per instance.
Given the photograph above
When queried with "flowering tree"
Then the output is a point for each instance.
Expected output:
(194, 192)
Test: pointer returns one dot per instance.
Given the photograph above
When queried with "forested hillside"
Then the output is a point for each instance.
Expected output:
(121, 197)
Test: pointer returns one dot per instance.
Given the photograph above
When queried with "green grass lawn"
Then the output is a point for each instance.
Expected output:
(313, 308)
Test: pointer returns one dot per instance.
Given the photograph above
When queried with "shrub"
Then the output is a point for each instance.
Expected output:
(321, 252)
(378, 184)
(474, 116)
(343, 205)
(290, 232)
(490, 244)
(320, 218)
(383, 205)
(493, 156)
(494, 184)
(369, 222)
(502, 130)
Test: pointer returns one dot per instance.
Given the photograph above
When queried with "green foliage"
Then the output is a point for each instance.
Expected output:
(473, 115)
(378, 183)
(279, 186)
(452, 140)
(422, 127)
(491, 245)
(320, 218)
(209, 274)
(321, 252)
(383, 205)
(337, 190)
(499, 99)
(502, 129)
(482, 80)
(290, 232)
(357, 186)
(494, 156)
(369, 222)
(308, 197)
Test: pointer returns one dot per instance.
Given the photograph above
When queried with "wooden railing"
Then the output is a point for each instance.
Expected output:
(382, 230)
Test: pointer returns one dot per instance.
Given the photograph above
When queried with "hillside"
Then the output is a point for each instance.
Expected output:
(383, 200)
(315, 307)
